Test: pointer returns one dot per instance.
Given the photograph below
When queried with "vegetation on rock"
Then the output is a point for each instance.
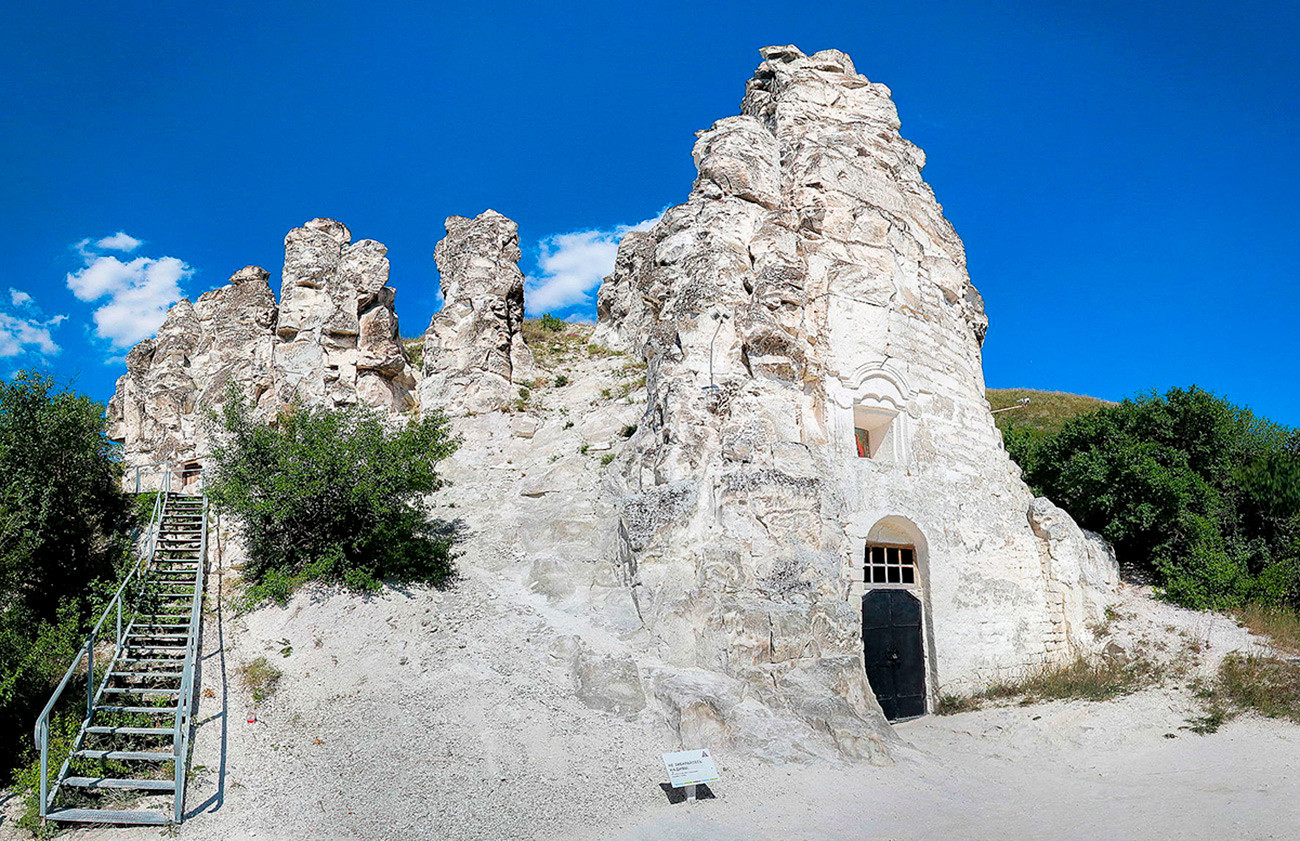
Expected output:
(336, 495)
(1041, 417)
(1203, 494)
(1269, 686)
(1082, 679)
(261, 678)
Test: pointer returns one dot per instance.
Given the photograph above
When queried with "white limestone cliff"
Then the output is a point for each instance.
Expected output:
(808, 288)
(333, 340)
(810, 341)
(474, 352)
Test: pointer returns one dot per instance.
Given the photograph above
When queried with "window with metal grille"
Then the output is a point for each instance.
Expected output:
(890, 565)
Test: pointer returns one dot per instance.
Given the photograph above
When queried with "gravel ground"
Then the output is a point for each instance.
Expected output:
(449, 715)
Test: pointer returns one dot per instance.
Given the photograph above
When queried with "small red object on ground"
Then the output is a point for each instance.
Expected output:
(252, 718)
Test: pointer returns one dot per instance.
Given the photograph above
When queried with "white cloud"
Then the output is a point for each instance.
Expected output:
(120, 241)
(573, 265)
(25, 332)
(135, 294)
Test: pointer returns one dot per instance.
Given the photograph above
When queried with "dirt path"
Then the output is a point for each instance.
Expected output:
(1056, 772)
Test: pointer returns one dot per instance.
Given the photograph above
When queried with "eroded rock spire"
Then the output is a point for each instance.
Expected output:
(474, 349)
(333, 340)
(815, 390)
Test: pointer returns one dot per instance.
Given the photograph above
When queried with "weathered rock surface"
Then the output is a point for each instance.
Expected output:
(474, 351)
(333, 340)
(684, 530)
(337, 337)
(810, 286)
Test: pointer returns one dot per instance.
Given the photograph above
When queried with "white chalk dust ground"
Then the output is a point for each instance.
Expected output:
(446, 716)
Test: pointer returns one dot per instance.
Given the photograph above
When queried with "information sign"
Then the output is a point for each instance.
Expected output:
(690, 767)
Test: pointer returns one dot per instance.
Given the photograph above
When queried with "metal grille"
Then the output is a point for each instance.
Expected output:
(890, 565)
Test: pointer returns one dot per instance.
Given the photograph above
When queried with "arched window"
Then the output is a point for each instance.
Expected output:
(894, 554)
(870, 429)
(876, 410)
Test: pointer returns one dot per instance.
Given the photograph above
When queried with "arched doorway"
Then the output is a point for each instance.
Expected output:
(893, 645)
(894, 621)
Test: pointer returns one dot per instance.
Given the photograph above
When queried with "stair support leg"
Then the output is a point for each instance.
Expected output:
(90, 676)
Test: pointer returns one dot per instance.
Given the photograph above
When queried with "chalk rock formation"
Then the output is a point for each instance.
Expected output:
(337, 336)
(815, 388)
(332, 341)
(200, 350)
(474, 351)
(810, 440)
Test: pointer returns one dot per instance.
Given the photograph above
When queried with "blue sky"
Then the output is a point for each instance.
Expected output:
(1124, 175)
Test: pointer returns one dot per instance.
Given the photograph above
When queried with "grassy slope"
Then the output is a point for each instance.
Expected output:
(1047, 410)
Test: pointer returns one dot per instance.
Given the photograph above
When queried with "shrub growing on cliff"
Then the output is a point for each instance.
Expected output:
(1204, 493)
(333, 495)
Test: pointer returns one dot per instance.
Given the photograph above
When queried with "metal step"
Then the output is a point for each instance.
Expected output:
(118, 690)
(147, 674)
(112, 782)
(126, 755)
(108, 708)
(130, 731)
(157, 636)
(127, 816)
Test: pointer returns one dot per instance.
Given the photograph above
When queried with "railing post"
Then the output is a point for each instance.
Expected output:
(119, 624)
(90, 675)
(44, 729)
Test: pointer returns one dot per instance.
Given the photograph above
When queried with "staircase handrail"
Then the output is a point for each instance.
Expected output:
(168, 469)
(185, 703)
(41, 731)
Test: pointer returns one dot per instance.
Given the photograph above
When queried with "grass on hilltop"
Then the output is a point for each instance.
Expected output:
(1046, 412)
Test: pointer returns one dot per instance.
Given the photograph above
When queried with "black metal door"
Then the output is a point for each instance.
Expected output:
(895, 655)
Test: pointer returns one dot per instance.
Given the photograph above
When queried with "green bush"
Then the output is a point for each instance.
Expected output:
(551, 323)
(1204, 494)
(332, 495)
(64, 528)
(63, 515)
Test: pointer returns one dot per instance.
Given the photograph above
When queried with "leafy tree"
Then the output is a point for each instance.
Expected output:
(63, 514)
(336, 495)
(1203, 492)
(64, 526)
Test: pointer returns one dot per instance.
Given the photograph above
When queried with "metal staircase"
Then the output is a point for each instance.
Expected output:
(139, 663)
